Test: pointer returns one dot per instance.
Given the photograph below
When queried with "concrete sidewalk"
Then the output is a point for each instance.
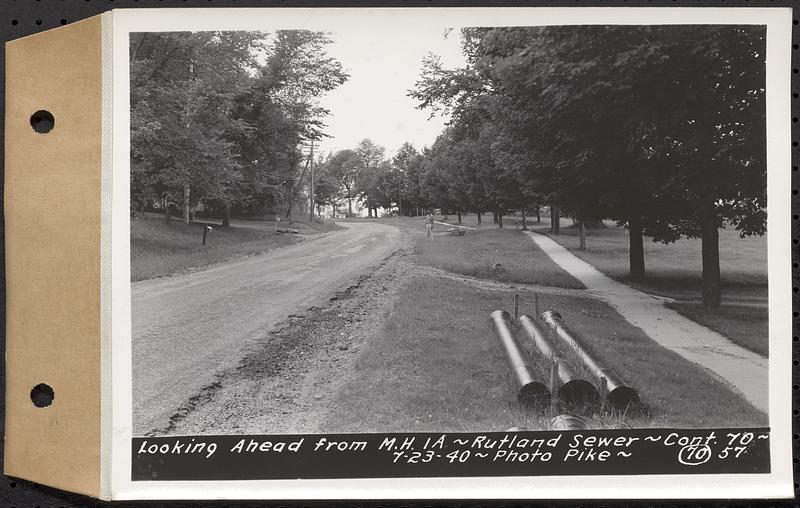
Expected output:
(740, 367)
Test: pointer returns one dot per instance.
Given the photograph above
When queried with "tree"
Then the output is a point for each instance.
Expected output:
(209, 121)
(658, 127)
(715, 139)
(182, 87)
(282, 111)
(403, 180)
(326, 187)
(344, 167)
(369, 156)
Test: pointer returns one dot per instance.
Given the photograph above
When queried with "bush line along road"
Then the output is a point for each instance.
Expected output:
(194, 331)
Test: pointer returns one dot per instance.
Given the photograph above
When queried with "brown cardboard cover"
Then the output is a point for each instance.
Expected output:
(52, 206)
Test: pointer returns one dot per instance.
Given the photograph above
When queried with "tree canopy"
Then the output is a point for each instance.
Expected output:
(661, 128)
(223, 116)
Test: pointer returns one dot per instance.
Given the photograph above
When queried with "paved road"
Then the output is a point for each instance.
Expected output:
(188, 328)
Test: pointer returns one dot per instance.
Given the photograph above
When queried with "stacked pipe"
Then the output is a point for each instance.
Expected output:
(618, 394)
(568, 385)
(530, 392)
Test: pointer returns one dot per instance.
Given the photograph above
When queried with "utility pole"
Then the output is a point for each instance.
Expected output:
(311, 206)
(186, 188)
(400, 193)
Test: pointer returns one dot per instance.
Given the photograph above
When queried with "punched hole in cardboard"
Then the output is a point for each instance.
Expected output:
(43, 121)
(42, 395)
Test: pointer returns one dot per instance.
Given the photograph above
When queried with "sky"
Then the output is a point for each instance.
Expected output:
(383, 65)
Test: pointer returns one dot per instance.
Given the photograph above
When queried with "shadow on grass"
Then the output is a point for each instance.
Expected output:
(747, 326)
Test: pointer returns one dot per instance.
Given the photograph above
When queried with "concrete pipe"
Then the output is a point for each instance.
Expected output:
(618, 394)
(571, 388)
(530, 392)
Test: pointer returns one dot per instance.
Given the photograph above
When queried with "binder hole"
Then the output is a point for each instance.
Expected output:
(42, 121)
(42, 395)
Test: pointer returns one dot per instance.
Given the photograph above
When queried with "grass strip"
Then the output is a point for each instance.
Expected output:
(497, 254)
(747, 326)
(159, 249)
(436, 367)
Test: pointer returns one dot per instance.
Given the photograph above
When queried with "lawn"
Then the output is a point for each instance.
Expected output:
(673, 270)
(498, 254)
(676, 269)
(159, 249)
(744, 325)
(471, 219)
(435, 366)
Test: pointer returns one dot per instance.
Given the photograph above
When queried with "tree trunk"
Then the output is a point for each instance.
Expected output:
(459, 217)
(167, 211)
(636, 249)
(524, 224)
(582, 232)
(712, 292)
(226, 215)
(555, 220)
(494, 217)
(186, 204)
(499, 219)
(349, 205)
(538, 216)
(480, 214)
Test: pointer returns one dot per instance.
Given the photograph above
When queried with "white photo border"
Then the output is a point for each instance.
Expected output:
(777, 484)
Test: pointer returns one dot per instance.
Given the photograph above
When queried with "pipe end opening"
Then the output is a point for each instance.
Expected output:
(533, 395)
(578, 391)
(622, 397)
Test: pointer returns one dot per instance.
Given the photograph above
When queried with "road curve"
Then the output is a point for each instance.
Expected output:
(188, 328)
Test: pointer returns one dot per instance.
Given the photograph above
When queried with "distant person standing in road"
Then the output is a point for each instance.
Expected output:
(428, 225)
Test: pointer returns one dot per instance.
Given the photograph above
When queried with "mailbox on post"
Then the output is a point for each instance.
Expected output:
(205, 232)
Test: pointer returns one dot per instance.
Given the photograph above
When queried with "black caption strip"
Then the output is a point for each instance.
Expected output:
(317, 456)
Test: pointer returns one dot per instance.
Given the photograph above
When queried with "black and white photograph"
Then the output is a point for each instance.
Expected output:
(470, 229)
